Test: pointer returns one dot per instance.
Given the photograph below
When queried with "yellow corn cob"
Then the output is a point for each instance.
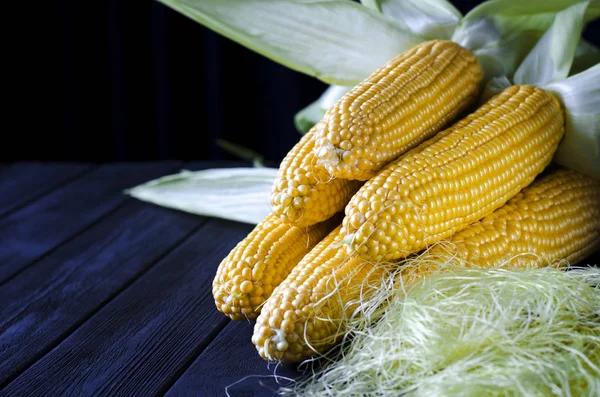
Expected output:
(556, 217)
(306, 306)
(248, 275)
(461, 175)
(304, 193)
(399, 106)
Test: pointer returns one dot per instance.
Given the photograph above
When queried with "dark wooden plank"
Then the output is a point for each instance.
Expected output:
(231, 362)
(23, 182)
(40, 227)
(141, 341)
(48, 300)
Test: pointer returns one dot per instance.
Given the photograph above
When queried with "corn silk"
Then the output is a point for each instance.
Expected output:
(471, 332)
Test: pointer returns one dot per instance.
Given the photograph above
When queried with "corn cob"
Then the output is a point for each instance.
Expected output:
(260, 262)
(553, 222)
(307, 305)
(557, 217)
(304, 193)
(405, 102)
(461, 175)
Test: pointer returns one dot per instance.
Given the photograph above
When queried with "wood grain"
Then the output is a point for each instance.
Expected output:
(41, 226)
(141, 341)
(48, 300)
(21, 183)
(106, 295)
(231, 362)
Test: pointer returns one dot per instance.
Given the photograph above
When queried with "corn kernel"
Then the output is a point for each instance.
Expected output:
(399, 106)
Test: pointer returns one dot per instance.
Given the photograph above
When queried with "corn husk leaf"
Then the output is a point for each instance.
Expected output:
(547, 66)
(238, 194)
(431, 19)
(559, 49)
(502, 32)
(586, 56)
(337, 41)
(306, 118)
(551, 58)
(313, 113)
(517, 17)
(580, 148)
(241, 152)
(493, 87)
(502, 58)
(499, 46)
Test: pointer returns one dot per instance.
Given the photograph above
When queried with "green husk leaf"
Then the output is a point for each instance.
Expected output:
(513, 17)
(580, 95)
(432, 19)
(493, 87)
(241, 152)
(372, 4)
(306, 118)
(337, 41)
(502, 32)
(586, 56)
(502, 58)
(548, 66)
(238, 194)
(551, 58)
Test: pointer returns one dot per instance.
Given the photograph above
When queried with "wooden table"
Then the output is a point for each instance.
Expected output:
(102, 294)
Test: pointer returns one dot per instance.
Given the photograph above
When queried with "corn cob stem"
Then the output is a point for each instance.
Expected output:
(556, 218)
(260, 262)
(461, 175)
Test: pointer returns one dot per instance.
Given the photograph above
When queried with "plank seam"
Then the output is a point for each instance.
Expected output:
(68, 332)
(72, 178)
(75, 235)
(197, 352)
(62, 243)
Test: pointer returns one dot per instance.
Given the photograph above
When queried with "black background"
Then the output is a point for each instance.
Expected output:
(134, 80)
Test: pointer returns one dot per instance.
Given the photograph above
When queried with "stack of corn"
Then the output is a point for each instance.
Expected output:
(381, 155)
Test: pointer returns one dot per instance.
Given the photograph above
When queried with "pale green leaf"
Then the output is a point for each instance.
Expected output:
(241, 152)
(579, 94)
(432, 19)
(586, 56)
(580, 148)
(502, 57)
(332, 94)
(551, 58)
(238, 194)
(372, 4)
(494, 87)
(502, 32)
(337, 41)
(511, 17)
(306, 118)
(477, 33)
